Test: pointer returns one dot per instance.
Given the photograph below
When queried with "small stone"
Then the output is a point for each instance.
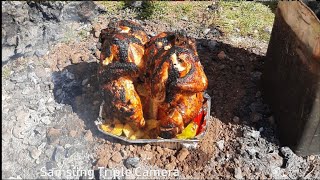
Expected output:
(185, 18)
(131, 148)
(117, 147)
(116, 157)
(73, 133)
(97, 34)
(50, 100)
(255, 31)
(17, 132)
(53, 135)
(49, 151)
(58, 154)
(206, 31)
(102, 162)
(136, 4)
(212, 44)
(85, 57)
(131, 162)
(35, 153)
(312, 157)
(261, 129)
(51, 109)
(251, 151)
(84, 82)
(111, 164)
(96, 27)
(25, 91)
(159, 150)
(185, 167)
(220, 145)
(183, 153)
(69, 75)
(170, 166)
(252, 133)
(51, 165)
(146, 155)
(238, 173)
(124, 153)
(268, 30)
(258, 94)
(147, 147)
(286, 152)
(88, 136)
(22, 116)
(70, 150)
(172, 158)
(236, 119)
(75, 58)
(19, 78)
(222, 55)
(45, 120)
(97, 54)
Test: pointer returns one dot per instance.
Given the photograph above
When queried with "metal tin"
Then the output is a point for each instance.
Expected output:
(170, 143)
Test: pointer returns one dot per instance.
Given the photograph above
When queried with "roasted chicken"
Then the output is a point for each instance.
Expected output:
(161, 79)
(121, 64)
(174, 82)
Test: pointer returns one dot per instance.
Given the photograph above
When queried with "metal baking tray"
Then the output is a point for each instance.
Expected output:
(185, 142)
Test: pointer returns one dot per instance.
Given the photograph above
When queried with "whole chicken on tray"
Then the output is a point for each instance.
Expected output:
(152, 88)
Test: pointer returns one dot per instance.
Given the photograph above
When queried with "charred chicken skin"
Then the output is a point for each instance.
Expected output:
(121, 63)
(174, 83)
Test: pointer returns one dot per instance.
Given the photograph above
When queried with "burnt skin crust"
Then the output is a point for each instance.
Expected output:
(117, 69)
(122, 41)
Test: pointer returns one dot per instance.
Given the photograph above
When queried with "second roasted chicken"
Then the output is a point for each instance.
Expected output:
(175, 82)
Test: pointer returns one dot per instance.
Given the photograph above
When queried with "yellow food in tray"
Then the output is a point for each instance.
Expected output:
(127, 130)
(117, 130)
(149, 132)
(137, 135)
(106, 127)
(189, 132)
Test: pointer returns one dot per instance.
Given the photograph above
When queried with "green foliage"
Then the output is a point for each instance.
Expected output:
(233, 17)
(250, 18)
(113, 6)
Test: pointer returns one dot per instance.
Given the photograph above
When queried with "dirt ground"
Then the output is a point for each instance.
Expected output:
(55, 100)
